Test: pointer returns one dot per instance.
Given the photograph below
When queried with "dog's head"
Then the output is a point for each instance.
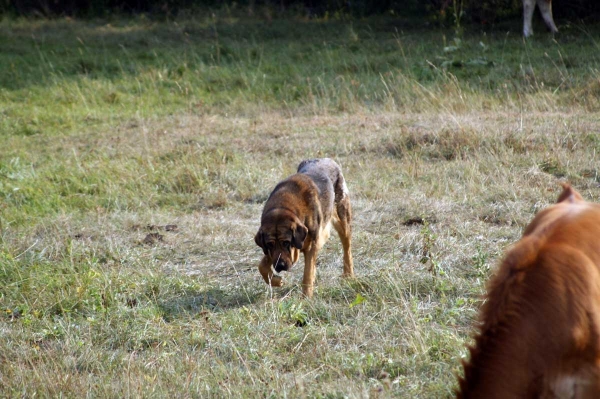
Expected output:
(281, 237)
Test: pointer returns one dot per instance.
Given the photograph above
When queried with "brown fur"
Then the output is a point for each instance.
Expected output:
(296, 219)
(539, 334)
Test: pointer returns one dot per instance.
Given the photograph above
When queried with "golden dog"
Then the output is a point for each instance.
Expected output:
(539, 335)
(298, 216)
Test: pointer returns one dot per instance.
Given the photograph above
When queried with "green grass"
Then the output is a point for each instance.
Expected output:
(112, 130)
(63, 76)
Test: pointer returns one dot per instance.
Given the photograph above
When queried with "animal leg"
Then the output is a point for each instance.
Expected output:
(342, 225)
(308, 280)
(528, 7)
(546, 10)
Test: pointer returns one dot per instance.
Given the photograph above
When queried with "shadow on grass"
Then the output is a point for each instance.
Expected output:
(211, 300)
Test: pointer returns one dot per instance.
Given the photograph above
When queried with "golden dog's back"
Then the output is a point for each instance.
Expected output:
(540, 325)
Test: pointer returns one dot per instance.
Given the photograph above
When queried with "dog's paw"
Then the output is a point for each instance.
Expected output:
(276, 281)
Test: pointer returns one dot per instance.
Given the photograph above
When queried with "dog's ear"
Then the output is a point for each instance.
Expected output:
(569, 194)
(259, 239)
(299, 235)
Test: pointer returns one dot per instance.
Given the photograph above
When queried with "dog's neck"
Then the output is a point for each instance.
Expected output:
(279, 213)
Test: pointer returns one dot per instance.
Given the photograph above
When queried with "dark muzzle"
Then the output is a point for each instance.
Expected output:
(281, 266)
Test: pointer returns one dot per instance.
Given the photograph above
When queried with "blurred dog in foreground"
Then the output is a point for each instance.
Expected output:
(539, 333)
(298, 216)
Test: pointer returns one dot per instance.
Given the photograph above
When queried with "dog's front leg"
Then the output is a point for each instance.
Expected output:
(266, 270)
(310, 263)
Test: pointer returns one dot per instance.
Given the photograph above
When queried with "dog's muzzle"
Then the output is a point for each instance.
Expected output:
(281, 266)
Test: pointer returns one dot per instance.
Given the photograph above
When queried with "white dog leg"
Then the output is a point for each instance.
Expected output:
(528, 7)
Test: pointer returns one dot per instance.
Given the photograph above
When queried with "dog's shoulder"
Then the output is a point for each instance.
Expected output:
(295, 184)
(295, 193)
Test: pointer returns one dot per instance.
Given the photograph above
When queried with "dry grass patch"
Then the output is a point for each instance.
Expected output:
(111, 131)
(91, 303)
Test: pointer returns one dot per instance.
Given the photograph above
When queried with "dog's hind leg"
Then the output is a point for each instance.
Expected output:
(545, 7)
(341, 224)
(528, 8)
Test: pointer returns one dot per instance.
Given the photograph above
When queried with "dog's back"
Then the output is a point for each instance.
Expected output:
(324, 171)
(327, 176)
(540, 326)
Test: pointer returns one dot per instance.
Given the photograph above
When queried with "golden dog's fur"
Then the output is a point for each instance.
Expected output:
(539, 335)
(297, 217)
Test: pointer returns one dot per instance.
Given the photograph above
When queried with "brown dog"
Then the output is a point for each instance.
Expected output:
(540, 326)
(297, 217)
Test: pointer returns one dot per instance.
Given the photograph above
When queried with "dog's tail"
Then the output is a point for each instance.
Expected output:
(342, 200)
(339, 187)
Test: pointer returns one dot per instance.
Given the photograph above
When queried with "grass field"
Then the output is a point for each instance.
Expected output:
(135, 157)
